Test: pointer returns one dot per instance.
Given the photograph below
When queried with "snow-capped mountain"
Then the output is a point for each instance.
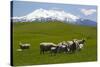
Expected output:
(44, 15)
(52, 15)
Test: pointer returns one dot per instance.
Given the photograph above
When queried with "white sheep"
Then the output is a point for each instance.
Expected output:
(79, 43)
(24, 45)
(46, 46)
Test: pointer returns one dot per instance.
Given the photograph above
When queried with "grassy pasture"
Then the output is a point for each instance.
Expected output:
(36, 32)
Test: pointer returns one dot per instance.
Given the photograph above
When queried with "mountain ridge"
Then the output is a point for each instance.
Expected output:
(53, 15)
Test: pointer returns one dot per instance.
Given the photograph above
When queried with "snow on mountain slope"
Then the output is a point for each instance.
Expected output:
(52, 15)
(39, 14)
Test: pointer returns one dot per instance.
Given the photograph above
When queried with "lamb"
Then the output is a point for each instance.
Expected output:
(24, 46)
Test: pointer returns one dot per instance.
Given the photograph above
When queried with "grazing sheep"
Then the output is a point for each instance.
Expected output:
(62, 47)
(24, 46)
(79, 44)
(71, 46)
(45, 46)
(54, 50)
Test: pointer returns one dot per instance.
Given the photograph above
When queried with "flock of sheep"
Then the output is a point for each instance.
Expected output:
(62, 47)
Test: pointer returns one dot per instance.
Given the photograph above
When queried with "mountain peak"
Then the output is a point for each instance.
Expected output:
(58, 15)
(50, 15)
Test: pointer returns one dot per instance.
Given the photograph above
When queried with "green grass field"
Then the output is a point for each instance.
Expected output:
(36, 32)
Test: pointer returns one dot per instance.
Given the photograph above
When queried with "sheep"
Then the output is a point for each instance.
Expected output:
(24, 46)
(79, 43)
(63, 47)
(46, 46)
(66, 47)
(54, 50)
(71, 46)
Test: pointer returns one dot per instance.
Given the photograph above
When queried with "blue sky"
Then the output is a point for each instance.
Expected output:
(21, 8)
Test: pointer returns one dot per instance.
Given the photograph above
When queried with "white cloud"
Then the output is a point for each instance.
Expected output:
(88, 11)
